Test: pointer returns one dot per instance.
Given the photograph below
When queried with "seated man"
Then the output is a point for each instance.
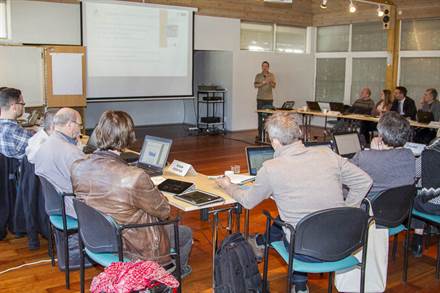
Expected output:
(364, 105)
(430, 103)
(13, 138)
(404, 105)
(126, 193)
(55, 157)
(387, 162)
(40, 137)
(301, 180)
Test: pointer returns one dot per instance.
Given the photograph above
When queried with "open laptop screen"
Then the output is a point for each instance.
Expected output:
(347, 144)
(256, 156)
(155, 151)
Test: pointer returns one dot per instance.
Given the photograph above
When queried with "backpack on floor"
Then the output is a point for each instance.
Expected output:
(235, 267)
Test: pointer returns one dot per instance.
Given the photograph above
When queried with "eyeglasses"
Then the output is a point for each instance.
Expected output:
(21, 103)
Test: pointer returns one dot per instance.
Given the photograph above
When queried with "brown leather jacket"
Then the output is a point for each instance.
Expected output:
(104, 181)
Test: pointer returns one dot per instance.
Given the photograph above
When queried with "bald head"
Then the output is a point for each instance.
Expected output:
(68, 121)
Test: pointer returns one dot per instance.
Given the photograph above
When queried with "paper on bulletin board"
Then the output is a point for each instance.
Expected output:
(67, 69)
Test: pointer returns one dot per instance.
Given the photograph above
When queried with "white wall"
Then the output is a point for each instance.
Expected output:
(143, 112)
(294, 74)
(36, 22)
(212, 68)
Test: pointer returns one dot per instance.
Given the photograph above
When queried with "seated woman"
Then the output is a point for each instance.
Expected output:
(384, 104)
(126, 193)
(387, 162)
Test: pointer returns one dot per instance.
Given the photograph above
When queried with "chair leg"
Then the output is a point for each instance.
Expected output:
(66, 257)
(50, 249)
(395, 242)
(265, 269)
(405, 257)
(81, 264)
(437, 269)
(330, 282)
(428, 236)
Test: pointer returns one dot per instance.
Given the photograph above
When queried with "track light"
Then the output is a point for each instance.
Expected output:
(380, 12)
(352, 7)
(323, 4)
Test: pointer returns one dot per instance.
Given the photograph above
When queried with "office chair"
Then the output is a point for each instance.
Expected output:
(313, 237)
(391, 209)
(56, 210)
(100, 238)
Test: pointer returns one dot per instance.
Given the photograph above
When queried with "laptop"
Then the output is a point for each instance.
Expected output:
(256, 156)
(33, 118)
(287, 105)
(154, 155)
(313, 106)
(424, 117)
(199, 198)
(347, 144)
(337, 107)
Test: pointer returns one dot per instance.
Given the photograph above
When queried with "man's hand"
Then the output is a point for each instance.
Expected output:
(224, 182)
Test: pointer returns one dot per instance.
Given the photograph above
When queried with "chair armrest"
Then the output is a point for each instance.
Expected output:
(159, 223)
(278, 222)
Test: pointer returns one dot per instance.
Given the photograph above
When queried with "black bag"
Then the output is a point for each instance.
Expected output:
(235, 267)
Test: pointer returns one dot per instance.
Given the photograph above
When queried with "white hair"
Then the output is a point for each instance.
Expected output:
(283, 127)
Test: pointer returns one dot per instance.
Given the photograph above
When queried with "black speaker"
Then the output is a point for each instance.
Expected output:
(386, 19)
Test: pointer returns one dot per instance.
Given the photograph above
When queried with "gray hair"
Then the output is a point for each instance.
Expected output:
(48, 118)
(64, 116)
(283, 126)
(394, 129)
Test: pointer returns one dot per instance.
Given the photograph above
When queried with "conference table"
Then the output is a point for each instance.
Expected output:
(308, 115)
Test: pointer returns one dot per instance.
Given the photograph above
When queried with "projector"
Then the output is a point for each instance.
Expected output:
(279, 1)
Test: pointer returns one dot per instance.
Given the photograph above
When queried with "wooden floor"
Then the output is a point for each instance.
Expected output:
(210, 155)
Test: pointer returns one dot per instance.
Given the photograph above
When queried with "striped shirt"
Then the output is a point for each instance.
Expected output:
(13, 139)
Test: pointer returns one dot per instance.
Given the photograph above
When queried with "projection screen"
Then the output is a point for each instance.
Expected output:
(137, 50)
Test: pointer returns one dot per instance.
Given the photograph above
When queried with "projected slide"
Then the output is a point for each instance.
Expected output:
(137, 50)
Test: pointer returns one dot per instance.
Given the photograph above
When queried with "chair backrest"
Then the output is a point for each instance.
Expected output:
(393, 206)
(430, 168)
(53, 201)
(98, 231)
(331, 234)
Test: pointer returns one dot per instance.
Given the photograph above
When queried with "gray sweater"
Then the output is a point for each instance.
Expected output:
(304, 180)
(53, 161)
(434, 107)
(388, 168)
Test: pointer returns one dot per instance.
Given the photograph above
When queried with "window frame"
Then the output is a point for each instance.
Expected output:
(274, 38)
(348, 56)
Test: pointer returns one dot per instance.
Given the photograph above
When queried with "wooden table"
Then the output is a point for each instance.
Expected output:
(308, 115)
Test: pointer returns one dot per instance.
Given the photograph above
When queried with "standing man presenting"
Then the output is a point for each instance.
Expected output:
(264, 82)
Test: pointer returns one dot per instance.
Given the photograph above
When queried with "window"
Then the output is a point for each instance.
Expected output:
(272, 37)
(3, 20)
(333, 38)
(420, 35)
(256, 37)
(368, 72)
(290, 39)
(368, 37)
(330, 79)
(418, 74)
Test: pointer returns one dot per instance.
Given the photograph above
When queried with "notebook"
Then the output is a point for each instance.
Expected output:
(347, 144)
(199, 198)
(256, 156)
(313, 106)
(154, 155)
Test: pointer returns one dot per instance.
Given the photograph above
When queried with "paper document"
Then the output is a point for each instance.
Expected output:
(240, 178)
